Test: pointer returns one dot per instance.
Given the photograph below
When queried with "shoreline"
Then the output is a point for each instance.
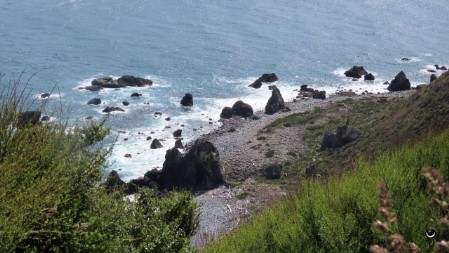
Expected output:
(221, 210)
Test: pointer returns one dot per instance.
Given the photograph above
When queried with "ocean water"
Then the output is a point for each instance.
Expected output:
(212, 49)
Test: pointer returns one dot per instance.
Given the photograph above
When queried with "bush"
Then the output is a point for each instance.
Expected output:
(50, 198)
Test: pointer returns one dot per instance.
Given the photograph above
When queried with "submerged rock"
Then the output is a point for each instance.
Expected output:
(94, 101)
(113, 109)
(155, 144)
(399, 83)
(45, 95)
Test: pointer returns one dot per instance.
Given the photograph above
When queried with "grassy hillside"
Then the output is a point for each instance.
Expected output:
(336, 213)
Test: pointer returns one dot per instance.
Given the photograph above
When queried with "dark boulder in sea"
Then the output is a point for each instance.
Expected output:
(344, 135)
(406, 59)
(319, 94)
(356, 72)
(28, 118)
(273, 172)
(399, 83)
(443, 68)
(113, 109)
(92, 88)
(177, 133)
(128, 80)
(94, 101)
(125, 103)
(275, 102)
(178, 144)
(128, 155)
(187, 100)
(197, 170)
(135, 94)
(265, 78)
(156, 144)
(106, 82)
(226, 113)
(369, 77)
(242, 109)
(45, 95)
(45, 118)
(433, 77)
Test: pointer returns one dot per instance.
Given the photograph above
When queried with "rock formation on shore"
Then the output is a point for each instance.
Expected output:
(399, 83)
(356, 72)
(276, 102)
(242, 109)
(344, 135)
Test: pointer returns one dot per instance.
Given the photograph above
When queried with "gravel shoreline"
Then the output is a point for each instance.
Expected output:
(220, 210)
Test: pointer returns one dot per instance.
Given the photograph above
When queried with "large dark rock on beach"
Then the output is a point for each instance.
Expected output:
(226, 113)
(273, 172)
(113, 109)
(319, 94)
(304, 88)
(94, 101)
(128, 80)
(399, 83)
(28, 118)
(344, 135)
(198, 170)
(155, 144)
(275, 103)
(265, 78)
(187, 100)
(242, 109)
(356, 72)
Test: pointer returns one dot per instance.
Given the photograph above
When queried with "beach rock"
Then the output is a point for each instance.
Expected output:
(306, 89)
(433, 77)
(356, 72)
(28, 118)
(93, 88)
(177, 133)
(369, 77)
(187, 100)
(106, 82)
(242, 109)
(232, 129)
(198, 170)
(125, 103)
(113, 109)
(443, 68)
(273, 172)
(135, 94)
(178, 144)
(94, 101)
(275, 102)
(156, 144)
(128, 80)
(319, 94)
(226, 113)
(399, 83)
(265, 78)
(45, 95)
(255, 117)
(45, 118)
(113, 180)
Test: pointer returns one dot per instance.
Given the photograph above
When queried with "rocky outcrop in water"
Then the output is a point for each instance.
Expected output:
(356, 72)
(94, 101)
(187, 100)
(155, 144)
(265, 78)
(123, 81)
(399, 83)
(369, 77)
(113, 109)
(128, 80)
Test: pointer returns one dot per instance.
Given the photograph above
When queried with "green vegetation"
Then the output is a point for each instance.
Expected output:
(337, 215)
(242, 196)
(294, 119)
(269, 153)
(51, 199)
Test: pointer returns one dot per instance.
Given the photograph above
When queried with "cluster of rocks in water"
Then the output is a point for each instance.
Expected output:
(197, 170)
(357, 72)
(306, 92)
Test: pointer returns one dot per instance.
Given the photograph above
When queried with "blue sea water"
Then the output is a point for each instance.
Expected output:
(212, 49)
